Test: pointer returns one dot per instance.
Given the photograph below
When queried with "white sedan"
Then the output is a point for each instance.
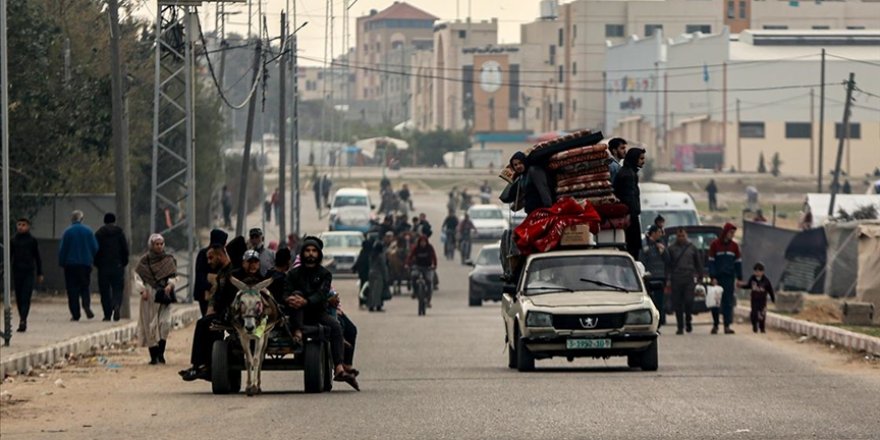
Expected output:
(341, 249)
(488, 220)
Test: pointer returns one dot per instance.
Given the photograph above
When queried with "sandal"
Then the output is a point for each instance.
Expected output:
(347, 378)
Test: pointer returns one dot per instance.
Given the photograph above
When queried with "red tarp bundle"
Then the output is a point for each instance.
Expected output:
(542, 229)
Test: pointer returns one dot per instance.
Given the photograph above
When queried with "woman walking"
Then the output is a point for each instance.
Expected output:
(378, 277)
(158, 271)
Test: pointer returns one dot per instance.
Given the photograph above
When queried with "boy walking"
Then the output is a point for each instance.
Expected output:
(761, 288)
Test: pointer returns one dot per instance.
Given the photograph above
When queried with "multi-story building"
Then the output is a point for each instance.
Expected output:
(386, 41)
(712, 101)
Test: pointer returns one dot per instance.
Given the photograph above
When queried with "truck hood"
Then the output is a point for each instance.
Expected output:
(589, 298)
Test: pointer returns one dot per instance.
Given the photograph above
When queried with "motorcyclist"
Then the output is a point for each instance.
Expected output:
(422, 259)
(450, 226)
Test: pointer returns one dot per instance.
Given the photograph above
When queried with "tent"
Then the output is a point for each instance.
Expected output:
(370, 146)
(853, 260)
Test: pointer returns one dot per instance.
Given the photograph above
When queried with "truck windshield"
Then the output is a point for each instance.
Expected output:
(572, 273)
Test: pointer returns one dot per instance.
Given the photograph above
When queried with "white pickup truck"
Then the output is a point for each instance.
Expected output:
(580, 303)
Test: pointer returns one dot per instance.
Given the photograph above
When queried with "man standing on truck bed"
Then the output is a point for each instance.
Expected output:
(725, 268)
(626, 188)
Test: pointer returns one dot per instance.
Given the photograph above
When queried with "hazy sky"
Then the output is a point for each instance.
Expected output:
(510, 14)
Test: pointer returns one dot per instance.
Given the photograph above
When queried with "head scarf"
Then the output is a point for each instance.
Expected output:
(155, 268)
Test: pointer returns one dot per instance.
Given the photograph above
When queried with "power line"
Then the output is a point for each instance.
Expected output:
(870, 63)
(217, 83)
(552, 85)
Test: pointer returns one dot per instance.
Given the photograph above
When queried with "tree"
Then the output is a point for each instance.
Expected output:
(762, 168)
(775, 163)
(430, 146)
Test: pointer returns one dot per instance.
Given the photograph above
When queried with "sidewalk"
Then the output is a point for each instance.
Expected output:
(51, 335)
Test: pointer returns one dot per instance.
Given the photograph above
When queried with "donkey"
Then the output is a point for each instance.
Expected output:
(254, 315)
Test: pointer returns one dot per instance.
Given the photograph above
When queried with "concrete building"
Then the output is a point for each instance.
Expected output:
(385, 43)
(713, 101)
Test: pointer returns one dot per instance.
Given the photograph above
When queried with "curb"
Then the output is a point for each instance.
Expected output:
(827, 333)
(51, 354)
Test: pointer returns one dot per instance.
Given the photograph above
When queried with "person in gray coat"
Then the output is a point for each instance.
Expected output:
(267, 256)
(684, 267)
(654, 257)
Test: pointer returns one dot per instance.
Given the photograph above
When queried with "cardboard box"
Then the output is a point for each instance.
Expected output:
(577, 235)
(611, 237)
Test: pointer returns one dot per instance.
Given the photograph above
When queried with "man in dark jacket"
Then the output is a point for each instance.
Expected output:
(725, 268)
(626, 188)
(684, 267)
(26, 263)
(76, 254)
(306, 293)
(654, 257)
(202, 285)
(111, 259)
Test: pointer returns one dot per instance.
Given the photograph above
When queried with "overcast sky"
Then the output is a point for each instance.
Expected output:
(510, 15)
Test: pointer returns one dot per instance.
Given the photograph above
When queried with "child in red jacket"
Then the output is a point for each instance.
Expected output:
(761, 288)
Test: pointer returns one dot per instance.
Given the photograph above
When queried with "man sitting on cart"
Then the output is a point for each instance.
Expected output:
(306, 293)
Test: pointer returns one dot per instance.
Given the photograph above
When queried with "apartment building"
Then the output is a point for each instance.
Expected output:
(713, 101)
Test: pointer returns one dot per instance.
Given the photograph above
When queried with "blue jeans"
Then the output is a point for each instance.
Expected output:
(728, 300)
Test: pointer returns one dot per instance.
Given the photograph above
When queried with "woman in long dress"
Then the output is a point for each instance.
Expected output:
(158, 271)
(378, 277)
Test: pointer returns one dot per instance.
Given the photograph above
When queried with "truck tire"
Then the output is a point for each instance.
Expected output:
(313, 367)
(648, 360)
(524, 359)
(224, 380)
(634, 360)
(474, 302)
(511, 357)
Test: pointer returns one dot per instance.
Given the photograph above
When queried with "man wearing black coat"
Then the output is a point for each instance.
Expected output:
(111, 260)
(26, 262)
(203, 269)
(626, 188)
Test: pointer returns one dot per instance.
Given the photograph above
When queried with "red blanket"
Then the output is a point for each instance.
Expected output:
(575, 187)
(583, 178)
(579, 151)
(542, 229)
(571, 160)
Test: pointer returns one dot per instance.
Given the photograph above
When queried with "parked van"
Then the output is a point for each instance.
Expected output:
(678, 208)
(350, 210)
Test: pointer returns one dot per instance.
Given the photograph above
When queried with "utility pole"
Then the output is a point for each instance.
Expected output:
(248, 137)
(739, 162)
(812, 127)
(282, 132)
(835, 186)
(821, 119)
(294, 134)
(4, 97)
(119, 139)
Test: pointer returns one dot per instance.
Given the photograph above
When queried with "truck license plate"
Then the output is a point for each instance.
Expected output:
(582, 344)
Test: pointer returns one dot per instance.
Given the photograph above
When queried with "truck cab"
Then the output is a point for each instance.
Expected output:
(580, 303)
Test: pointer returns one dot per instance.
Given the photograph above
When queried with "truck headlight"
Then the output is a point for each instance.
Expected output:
(539, 319)
(639, 317)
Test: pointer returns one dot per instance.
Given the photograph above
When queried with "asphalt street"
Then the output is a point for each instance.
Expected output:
(444, 376)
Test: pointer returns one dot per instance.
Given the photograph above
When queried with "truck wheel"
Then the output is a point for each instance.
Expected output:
(524, 359)
(474, 302)
(313, 367)
(634, 360)
(224, 380)
(511, 357)
(648, 360)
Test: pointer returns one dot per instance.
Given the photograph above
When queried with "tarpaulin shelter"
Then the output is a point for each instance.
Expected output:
(853, 268)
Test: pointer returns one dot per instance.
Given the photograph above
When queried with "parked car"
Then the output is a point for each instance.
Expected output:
(701, 237)
(341, 249)
(581, 303)
(484, 282)
(489, 220)
(351, 210)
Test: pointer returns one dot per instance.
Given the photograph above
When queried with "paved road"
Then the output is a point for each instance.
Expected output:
(445, 376)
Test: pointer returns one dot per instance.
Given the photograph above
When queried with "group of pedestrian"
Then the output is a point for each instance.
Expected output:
(303, 291)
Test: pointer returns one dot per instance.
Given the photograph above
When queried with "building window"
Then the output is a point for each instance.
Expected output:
(537, 112)
(574, 106)
(775, 27)
(821, 28)
(742, 9)
(798, 130)
(651, 29)
(397, 45)
(856, 28)
(561, 111)
(513, 80)
(552, 55)
(561, 74)
(320, 75)
(574, 68)
(701, 28)
(614, 30)
(753, 130)
(574, 32)
(855, 130)
(462, 34)
(731, 9)
(561, 38)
